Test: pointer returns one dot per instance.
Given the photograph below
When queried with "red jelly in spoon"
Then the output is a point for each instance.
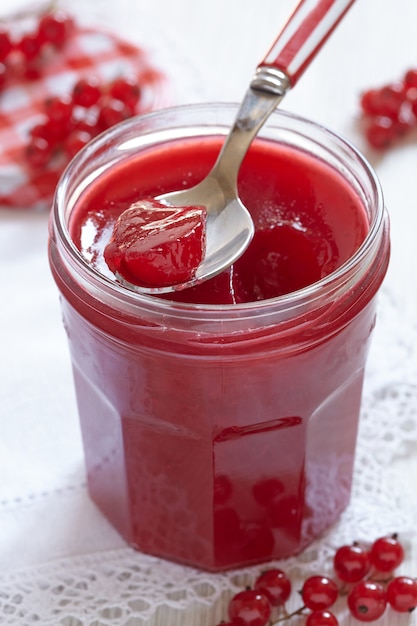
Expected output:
(155, 245)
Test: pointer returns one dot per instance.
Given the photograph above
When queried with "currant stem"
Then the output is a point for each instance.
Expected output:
(344, 590)
(383, 581)
(290, 615)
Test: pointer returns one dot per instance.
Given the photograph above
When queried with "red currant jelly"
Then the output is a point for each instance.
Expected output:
(154, 245)
(219, 423)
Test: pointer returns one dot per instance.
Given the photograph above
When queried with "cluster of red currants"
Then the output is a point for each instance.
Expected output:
(23, 54)
(390, 111)
(364, 574)
(72, 120)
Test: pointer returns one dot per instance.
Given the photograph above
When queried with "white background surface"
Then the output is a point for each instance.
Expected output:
(210, 50)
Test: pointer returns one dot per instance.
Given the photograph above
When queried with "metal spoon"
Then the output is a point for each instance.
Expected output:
(229, 226)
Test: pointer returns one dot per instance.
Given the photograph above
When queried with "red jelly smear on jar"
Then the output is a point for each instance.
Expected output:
(210, 442)
(154, 245)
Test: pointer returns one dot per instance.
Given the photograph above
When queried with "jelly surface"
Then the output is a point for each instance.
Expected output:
(306, 215)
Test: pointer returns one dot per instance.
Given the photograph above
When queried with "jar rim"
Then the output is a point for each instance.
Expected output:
(112, 289)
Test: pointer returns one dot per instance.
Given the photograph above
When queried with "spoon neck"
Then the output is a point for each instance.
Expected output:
(269, 79)
(265, 92)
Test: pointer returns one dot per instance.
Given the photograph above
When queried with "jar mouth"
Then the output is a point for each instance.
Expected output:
(284, 125)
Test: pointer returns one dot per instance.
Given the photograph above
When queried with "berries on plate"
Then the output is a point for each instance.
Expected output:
(54, 77)
(72, 120)
(25, 53)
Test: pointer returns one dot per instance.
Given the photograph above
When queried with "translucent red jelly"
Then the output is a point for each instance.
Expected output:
(220, 436)
(306, 216)
(155, 245)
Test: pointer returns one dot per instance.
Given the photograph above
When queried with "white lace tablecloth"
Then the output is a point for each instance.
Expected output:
(61, 564)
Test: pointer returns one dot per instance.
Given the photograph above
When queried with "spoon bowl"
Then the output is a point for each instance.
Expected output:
(229, 227)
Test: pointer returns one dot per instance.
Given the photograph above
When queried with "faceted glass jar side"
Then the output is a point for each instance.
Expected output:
(219, 435)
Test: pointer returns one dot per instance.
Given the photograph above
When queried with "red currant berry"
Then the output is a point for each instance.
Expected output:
(55, 28)
(249, 608)
(127, 90)
(410, 78)
(3, 72)
(412, 99)
(386, 554)
(226, 525)
(6, 45)
(381, 132)
(32, 69)
(86, 92)
(403, 124)
(369, 102)
(391, 98)
(265, 491)
(351, 563)
(112, 112)
(76, 140)
(38, 152)
(41, 130)
(257, 541)
(319, 592)
(385, 101)
(367, 601)
(284, 512)
(275, 584)
(56, 131)
(86, 124)
(402, 594)
(322, 618)
(30, 46)
(59, 109)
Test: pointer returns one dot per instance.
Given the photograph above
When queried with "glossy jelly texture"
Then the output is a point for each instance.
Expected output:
(208, 445)
(154, 245)
(307, 217)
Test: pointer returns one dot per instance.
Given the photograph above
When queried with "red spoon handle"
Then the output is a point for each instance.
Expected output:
(303, 35)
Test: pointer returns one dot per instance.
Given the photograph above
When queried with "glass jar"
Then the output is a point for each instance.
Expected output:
(219, 435)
